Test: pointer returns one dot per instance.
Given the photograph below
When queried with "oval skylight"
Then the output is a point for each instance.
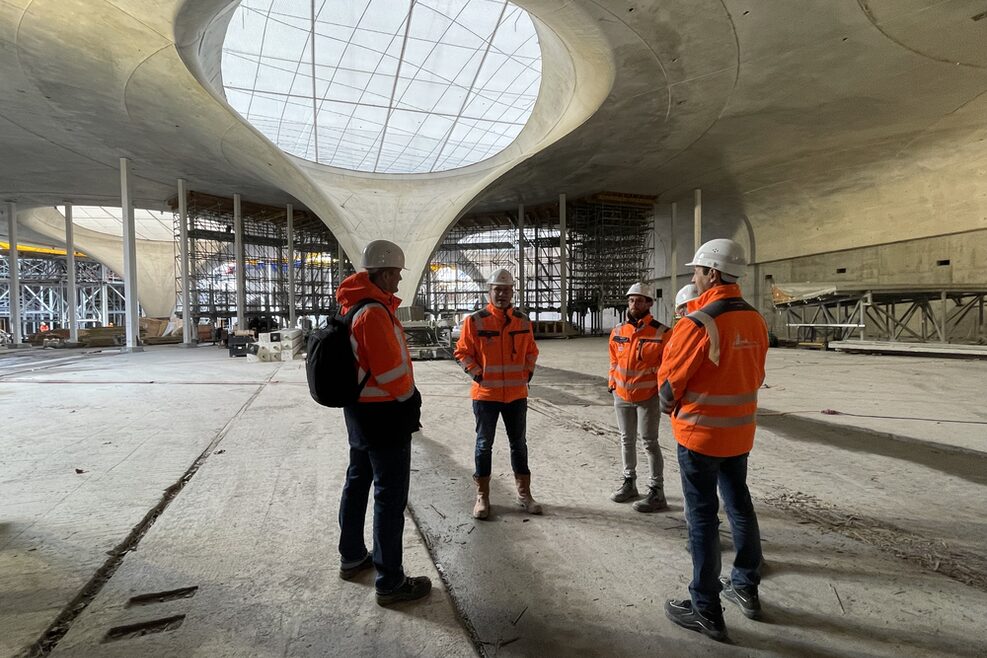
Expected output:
(388, 86)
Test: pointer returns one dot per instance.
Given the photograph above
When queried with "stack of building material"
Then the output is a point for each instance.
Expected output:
(284, 345)
(291, 344)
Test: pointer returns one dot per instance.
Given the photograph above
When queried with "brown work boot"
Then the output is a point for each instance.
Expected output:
(524, 498)
(482, 508)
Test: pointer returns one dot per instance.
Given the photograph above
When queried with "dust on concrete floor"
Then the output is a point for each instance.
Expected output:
(874, 544)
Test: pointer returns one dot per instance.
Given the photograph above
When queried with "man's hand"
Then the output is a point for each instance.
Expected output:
(666, 406)
(478, 377)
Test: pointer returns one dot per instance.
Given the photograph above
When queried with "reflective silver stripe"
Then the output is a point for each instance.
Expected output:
(635, 373)
(495, 369)
(717, 421)
(725, 400)
(502, 383)
(636, 385)
(392, 374)
(714, 335)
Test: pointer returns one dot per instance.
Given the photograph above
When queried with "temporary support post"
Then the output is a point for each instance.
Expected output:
(104, 297)
(73, 297)
(520, 256)
(189, 336)
(241, 265)
(292, 320)
(14, 289)
(132, 322)
(563, 239)
(673, 266)
(697, 220)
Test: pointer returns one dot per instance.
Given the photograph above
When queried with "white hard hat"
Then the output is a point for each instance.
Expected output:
(686, 294)
(640, 289)
(501, 277)
(382, 253)
(721, 254)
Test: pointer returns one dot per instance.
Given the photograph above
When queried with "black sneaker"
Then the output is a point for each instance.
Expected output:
(683, 614)
(349, 573)
(413, 588)
(746, 599)
(627, 491)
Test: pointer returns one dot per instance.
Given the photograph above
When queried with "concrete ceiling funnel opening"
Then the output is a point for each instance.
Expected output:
(381, 168)
(384, 86)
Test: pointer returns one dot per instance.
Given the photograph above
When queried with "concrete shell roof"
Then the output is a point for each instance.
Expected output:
(853, 122)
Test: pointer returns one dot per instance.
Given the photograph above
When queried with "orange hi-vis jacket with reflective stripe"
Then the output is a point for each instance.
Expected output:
(712, 368)
(378, 341)
(635, 353)
(499, 347)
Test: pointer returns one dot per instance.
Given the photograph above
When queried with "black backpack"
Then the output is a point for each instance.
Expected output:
(330, 364)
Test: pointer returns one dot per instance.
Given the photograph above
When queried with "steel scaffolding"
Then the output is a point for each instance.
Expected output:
(44, 293)
(609, 244)
(212, 271)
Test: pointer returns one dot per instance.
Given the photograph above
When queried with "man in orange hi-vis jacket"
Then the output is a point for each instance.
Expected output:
(635, 352)
(379, 426)
(708, 381)
(497, 349)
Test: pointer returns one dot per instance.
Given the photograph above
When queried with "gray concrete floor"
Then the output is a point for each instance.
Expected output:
(873, 523)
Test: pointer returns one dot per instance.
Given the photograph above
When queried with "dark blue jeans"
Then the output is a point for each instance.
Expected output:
(387, 465)
(700, 475)
(515, 420)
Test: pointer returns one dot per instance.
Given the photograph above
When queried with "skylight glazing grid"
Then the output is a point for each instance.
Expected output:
(399, 86)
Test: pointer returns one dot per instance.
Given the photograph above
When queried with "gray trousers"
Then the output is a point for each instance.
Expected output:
(635, 418)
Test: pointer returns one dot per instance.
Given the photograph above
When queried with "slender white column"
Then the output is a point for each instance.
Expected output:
(71, 293)
(190, 337)
(292, 319)
(673, 265)
(563, 261)
(655, 274)
(14, 288)
(697, 220)
(241, 264)
(129, 259)
(520, 256)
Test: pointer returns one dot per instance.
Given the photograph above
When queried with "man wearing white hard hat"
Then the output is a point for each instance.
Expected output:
(635, 353)
(379, 427)
(497, 349)
(709, 379)
(687, 293)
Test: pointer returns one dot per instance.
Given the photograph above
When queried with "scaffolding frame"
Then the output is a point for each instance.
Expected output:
(212, 262)
(916, 313)
(44, 293)
(609, 245)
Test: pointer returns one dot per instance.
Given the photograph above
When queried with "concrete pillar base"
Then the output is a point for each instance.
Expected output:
(190, 344)
(124, 350)
(18, 346)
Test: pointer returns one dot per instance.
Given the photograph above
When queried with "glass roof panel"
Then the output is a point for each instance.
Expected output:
(400, 86)
(148, 224)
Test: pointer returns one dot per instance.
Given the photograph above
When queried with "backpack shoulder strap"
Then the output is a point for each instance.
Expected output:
(353, 310)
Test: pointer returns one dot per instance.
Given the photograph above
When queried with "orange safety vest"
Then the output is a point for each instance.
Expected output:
(712, 368)
(635, 353)
(500, 347)
(378, 341)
